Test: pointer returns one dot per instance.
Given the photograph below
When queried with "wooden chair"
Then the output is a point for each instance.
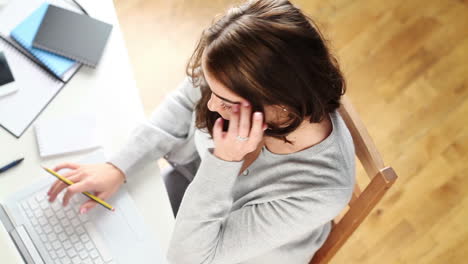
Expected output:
(362, 202)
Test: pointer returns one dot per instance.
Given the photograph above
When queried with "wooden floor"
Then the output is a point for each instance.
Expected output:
(406, 62)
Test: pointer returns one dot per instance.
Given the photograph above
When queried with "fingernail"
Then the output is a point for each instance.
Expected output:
(83, 210)
(258, 115)
(246, 104)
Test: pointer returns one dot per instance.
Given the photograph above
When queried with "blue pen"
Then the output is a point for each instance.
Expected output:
(11, 165)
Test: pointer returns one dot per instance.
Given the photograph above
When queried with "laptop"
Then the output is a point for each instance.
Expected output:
(45, 232)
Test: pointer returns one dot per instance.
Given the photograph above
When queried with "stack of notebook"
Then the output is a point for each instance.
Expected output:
(60, 38)
(48, 42)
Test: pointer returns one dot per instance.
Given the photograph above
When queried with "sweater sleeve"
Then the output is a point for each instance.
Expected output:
(168, 125)
(207, 231)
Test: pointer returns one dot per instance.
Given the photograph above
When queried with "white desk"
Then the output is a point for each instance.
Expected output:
(109, 91)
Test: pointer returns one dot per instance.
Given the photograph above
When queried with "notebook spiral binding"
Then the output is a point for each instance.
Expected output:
(41, 59)
(62, 53)
(30, 60)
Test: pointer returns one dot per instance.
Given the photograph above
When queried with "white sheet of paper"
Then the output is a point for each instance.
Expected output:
(67, 134)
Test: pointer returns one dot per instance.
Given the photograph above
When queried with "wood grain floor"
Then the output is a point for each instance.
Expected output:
(407, 72)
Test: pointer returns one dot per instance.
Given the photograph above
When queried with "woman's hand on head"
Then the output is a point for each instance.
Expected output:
(102, 180)
(244, 134)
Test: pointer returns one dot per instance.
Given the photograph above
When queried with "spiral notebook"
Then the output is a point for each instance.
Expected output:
(72, 35)
(36, 90)
(24, 34)
(67, 135)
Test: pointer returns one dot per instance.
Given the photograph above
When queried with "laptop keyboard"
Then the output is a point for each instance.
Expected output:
(68, 236)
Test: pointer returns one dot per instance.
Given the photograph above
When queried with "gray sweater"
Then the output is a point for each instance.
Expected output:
(277, 211)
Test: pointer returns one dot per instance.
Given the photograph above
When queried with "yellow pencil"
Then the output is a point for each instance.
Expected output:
(67, 181)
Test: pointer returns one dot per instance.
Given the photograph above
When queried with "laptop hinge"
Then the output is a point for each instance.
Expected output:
(6, 219)
(26, 246)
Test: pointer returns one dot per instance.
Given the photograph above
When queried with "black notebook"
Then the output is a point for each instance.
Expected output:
(72, 35)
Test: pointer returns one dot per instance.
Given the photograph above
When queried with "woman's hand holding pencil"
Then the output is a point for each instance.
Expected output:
(101, 179)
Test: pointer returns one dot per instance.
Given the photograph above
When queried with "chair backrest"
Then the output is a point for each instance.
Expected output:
(362, 202)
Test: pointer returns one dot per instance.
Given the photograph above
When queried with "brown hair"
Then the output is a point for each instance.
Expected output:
(270, 53)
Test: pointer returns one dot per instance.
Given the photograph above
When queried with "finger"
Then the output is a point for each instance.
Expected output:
(53, 191)
(76, 188)
(234, 121)
(244, 123)
(61, 185)
(90, 204)
(67, 165)
(66, 175)
(58, 184)
(59, 189)
(218, 129)
(256, 133)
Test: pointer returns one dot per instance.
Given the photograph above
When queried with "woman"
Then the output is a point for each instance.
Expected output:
(254, 139)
